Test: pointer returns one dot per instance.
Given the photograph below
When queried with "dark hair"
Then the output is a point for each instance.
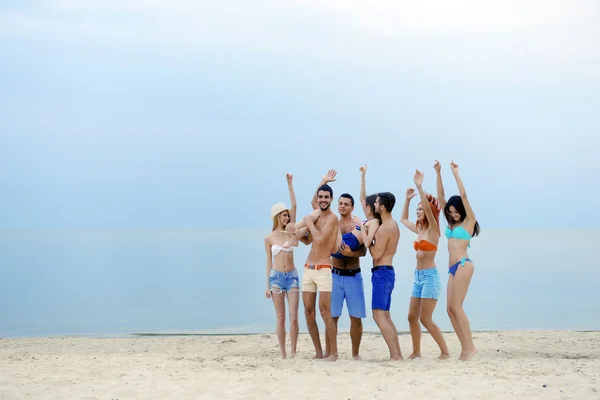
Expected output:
(370, 201)
(387, 200)
(348, 196)
(326, 188)
(456, 202)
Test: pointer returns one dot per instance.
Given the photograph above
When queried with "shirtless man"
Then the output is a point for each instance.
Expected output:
(347, 277)
(317, 274)
(383, 277)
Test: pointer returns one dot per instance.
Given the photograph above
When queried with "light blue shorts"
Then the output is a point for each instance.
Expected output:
(283, 281)
(427, 284)
(349, 288)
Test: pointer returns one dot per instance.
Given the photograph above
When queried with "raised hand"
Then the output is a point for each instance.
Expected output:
(418, 178)
(410, 193)
(330, 176)
(289, 178)
(454, 167)
(437, 166)
(363, 170)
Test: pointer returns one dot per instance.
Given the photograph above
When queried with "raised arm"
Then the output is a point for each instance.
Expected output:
(329, 177)
(410, 193)
(289, 178)
(470, 217)
(378, 248)
(440, 186)
(426, 206)
(363, 188)
(269, 264)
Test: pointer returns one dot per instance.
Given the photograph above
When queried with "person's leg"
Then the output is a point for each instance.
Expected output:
(381, 302)
(414, 309)
(355, 300)
(462, 279)
(324, 283)
(449, 309)
(293, 304)
(337, 303)
(330, 329)
(432, 287)
(279, 303)
(309, 298)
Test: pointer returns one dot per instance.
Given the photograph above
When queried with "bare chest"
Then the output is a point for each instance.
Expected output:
(346, 226)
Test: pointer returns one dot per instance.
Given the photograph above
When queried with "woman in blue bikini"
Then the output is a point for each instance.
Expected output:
(462, 226)
(281, 274)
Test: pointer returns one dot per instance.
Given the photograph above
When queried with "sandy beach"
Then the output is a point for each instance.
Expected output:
(544, 364)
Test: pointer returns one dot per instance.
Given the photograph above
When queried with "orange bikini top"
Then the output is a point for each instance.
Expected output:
(424, 245)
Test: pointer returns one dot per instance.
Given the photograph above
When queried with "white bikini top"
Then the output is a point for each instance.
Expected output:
(276, 249)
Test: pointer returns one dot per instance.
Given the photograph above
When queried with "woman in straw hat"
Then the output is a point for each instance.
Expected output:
(281, 274)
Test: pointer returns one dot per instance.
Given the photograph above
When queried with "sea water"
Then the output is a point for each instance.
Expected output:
(114, 282)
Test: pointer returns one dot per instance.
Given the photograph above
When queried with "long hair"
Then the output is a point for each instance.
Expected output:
(276, 220)
(456, 202)
(435, 209)
(371, 205)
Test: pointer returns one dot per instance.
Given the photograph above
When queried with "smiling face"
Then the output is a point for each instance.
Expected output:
(283, 218)
(324, 200)
(420, 213)
(454, 214)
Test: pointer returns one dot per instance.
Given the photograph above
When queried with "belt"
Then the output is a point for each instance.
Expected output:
(316, 266)
(345, 272)
(382, 267)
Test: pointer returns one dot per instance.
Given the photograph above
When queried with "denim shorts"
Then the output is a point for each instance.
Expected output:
(383, 279)
(427, 284)
(349, 288)
(284, 281)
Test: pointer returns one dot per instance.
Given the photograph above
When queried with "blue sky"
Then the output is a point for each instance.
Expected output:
(148, 114)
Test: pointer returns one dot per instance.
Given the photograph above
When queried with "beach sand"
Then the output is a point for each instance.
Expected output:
(541, 364)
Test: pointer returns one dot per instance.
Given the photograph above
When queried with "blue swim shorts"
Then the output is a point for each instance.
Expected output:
(348, 285)
(427, 284)
(383, 279)
(284, 281)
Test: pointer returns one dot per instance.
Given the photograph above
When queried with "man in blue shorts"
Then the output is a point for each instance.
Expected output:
(383, 276)
(346, 274)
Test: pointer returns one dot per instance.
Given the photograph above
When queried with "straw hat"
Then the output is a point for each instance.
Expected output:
(277, 208)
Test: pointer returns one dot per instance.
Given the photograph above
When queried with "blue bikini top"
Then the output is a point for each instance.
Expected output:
(458, 233)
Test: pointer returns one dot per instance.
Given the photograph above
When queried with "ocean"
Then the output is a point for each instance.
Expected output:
(212, 281)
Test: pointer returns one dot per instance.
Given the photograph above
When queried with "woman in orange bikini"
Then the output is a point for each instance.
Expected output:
(427, 284)
(462, 226)
(281, 274)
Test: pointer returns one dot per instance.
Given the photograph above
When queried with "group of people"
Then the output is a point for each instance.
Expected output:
(332, 267)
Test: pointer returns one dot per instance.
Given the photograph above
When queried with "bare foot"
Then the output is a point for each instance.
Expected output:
(357, 357)
(318, 356)
(396, 359)
(283, 355)
(414, 355)
(466, 355)
(293, 354)
(444, 356)
(331, 358)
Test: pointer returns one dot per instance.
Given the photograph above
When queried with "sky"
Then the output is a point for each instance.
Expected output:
(136, 114)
